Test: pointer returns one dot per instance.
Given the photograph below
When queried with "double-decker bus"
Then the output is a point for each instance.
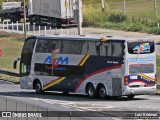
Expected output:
(109, 66)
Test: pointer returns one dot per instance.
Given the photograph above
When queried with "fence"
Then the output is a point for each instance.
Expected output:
(34, 29)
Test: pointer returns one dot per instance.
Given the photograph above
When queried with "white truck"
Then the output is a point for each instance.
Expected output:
(12, 11)
(57, 13)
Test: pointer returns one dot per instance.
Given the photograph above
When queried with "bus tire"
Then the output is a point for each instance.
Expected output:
(130, 96)
(38, 88)
(91, 92)
(102, 91)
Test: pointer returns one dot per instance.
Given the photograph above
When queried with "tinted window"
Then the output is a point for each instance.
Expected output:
(108, 48)
(140, 47)
(68, 47)
(72, 47)
(114, 49)
(47, 46)
(29, 46)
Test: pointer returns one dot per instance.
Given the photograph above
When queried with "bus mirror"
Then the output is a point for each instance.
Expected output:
(15, 63)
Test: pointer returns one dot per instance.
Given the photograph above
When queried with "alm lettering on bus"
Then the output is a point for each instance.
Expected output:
(57, 61)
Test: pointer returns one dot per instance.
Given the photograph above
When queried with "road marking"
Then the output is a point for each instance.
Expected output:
(98, 107)
(75, 105)
(65, 106)
(79, 110)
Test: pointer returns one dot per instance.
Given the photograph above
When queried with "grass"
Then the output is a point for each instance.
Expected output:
(144, 8)
(139, 15)
(11, 45)
(158, 91)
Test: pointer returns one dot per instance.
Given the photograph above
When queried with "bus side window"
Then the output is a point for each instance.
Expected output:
(117, 49)
(46, 46)
(51, 45)
(40, 47)
(106, 49)
(84, 48)
(78, 46)
(68, 47)
(92, 48)
(59, 46)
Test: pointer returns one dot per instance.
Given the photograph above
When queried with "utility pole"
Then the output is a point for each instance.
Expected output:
(155, 8)
(124, 7)
(79, 17)
(102, 2)
(24, 11)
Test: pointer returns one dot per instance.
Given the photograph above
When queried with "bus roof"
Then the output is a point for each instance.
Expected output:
(72, 37)
(90, 38)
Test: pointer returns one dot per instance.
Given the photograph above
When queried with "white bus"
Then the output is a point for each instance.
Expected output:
(101, 67)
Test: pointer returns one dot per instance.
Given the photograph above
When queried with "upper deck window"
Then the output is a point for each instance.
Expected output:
(47, 46)
(108, 48)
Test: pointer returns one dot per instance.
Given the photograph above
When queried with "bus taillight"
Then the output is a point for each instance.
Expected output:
(126, 80)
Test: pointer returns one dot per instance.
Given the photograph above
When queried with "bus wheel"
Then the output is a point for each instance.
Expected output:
(102, 91)
(39, 88)
(91, 92)
(130, 96)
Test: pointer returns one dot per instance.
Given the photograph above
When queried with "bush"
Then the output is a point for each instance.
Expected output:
(116, 17)
(92, 16)
(95, 17)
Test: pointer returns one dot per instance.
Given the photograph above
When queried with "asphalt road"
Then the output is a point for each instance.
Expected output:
(74, 102)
